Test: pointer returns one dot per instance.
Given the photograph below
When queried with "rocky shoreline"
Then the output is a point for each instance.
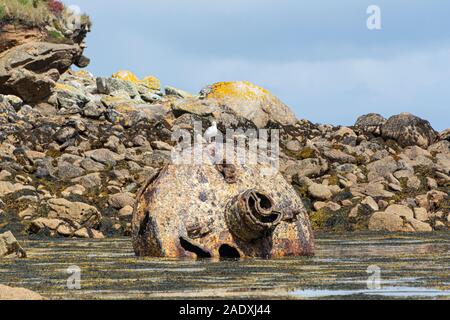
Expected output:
(71, 166)
(75, 148)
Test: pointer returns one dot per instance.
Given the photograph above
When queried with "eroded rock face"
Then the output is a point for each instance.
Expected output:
(31, 70)
(409, 130)
(383, 221)
(12, 35)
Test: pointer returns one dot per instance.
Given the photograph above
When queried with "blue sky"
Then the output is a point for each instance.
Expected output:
(316, 56)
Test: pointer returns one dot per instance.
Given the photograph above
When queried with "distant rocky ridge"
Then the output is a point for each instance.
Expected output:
(75, 149)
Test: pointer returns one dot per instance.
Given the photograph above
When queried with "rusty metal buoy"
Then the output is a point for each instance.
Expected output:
(207, 210)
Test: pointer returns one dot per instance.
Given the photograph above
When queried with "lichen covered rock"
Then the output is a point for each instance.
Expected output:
(150, 82)
(409, 130)
(251, 102)
(370, 123)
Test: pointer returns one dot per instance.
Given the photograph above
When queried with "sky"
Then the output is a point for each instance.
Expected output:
(318, 57)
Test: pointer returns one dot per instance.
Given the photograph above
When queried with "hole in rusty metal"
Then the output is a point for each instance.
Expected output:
(227, 251)
(260, 201)
(188, 246)
(264, 202)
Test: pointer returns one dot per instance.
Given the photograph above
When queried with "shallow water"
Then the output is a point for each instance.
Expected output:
(410, 266)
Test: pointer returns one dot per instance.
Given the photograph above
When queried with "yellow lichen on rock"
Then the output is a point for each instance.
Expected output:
(125, 75)
(151, 82)
(237, 89)
(83, 74)
(251, 102)
(65, 87)
(115, 102)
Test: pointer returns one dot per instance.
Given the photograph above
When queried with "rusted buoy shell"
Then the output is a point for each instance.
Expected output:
(196, 211)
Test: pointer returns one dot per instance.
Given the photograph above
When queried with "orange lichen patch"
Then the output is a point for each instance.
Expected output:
(238, 89)
(83, 74)
(151, 82)
(64, 87)
(125, 75)
(125, 108)
(116, 102)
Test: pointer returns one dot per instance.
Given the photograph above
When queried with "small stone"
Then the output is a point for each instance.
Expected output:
(33, 155)
(293, 145)
(320, 191)
(121, 200)
(140, 141)
(414, 183)
(171, 91)
(370, 123)
(73, 190)
(421, 214)
(89, 233)
(65, 134)
(64, 230)
(89, 181)
(383, 221)
(420, 226)
(104, 156)
(77, 212)
(354, 212)
(439, 225)
(346, 203)
(161, 145)
(115, 144)
(93, 110)
(319, 205)
(126, 211)
(436, 198)
(27, 213)
(4, 175)
(91, 165)
(422, 201)
(41, 223)
(339, 156)
(10, 245)
(10, 293)
(400, 210)
(371, 203)
(395, 187)
(67, 171)
(22, 179)
(333, 206)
